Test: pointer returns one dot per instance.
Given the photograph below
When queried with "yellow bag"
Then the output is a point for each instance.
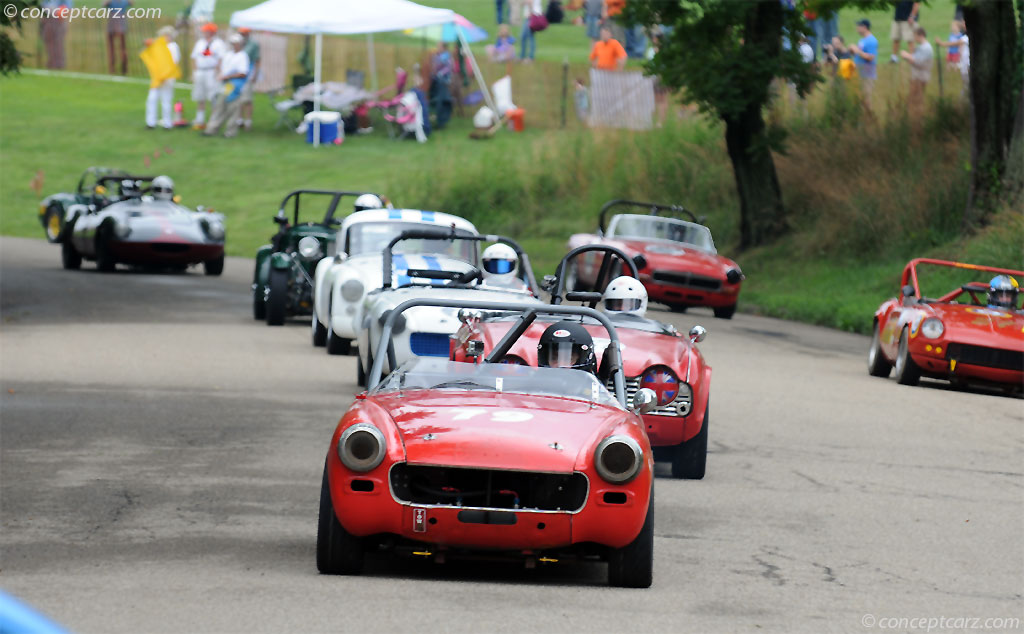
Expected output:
(159, 63)
(847, 69)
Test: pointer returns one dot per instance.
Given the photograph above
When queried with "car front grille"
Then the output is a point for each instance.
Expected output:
(488, 488)
(986, 357)
(679, 407)
(429, 344)
(688, 280)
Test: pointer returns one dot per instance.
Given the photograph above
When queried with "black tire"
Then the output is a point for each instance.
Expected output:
(277, 299)
(907, 372)
(319, 332)
(54, 221)
(337, 551)
(70, 258)
(104, 258)
(689, 461)
(336, 344)
(725, 312)
(259, 304)
(677, 308)
(878, 365)
(214, 266)
(632, 566)
(360, 372)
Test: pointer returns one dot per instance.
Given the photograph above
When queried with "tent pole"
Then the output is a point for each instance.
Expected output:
(316, 89)
(479, 76)
(373, 62)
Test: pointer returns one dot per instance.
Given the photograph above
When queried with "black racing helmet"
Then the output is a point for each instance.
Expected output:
(567, 344)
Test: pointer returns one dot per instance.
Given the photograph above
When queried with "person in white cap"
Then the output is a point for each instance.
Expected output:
(500, 264)
(206, 57)
(625, 296)
(164, 93)
(234, 71)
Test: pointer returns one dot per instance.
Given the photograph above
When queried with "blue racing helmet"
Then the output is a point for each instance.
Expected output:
(1002, 292)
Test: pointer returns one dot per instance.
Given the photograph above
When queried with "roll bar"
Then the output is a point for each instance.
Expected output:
(557, 295)
(653, 210)
(451, 234)
(336, 195)
(385, 349)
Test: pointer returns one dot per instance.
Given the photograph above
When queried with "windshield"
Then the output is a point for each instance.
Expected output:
(630, 226)
(373, 237)
(427, 373)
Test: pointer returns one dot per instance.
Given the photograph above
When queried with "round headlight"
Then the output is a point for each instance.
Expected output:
(351, 290)
(215, 230)
(121, 229)
(309, 247)
(734, 276)
(361, 447)
(618, 459)
(932, 328)
(663, 381)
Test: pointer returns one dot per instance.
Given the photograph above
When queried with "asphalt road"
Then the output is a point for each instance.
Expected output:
(161, 454)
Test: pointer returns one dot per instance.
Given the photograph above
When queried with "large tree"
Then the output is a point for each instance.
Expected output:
(724, 55)
(10, 17)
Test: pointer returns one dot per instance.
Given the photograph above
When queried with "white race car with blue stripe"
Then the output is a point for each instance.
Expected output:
(343, 279)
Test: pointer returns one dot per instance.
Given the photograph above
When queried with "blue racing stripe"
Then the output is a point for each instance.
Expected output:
(427, 216)
(400, 267)
(394, 214)
(434, 265)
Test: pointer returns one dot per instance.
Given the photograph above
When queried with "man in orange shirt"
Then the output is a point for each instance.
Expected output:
(607, 53)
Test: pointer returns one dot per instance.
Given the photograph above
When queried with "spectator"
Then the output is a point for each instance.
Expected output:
(903, 21)
(233, 72)
(957, 37)
(504, 48)
(581, 99)
(528, 39)
(164, 93)
(441, 71)
(825, 26)
(515, 12)
(54, 28)
(839, 58)
(612, 10)
(117, 24)
(555, 13)
(920, 69)
(593, 10)
(607, 53)
(206, 58)
(252, 51)
(865, 54)
(500, 6)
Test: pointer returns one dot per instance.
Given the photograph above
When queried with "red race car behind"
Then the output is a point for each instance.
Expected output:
(960, 336)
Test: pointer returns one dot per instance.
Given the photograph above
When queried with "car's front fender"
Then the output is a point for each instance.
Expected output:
(280, 261)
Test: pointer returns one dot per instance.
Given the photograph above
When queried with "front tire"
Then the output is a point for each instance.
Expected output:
(70, 258)
(319, 332)
(907, 372)
(338, 552)
(725, 312)
(877, 363)
(259, 303)
(105, 261)
(214, 266)
(632, 566)
(277, 300)
(336, 344)
(690, 459)
(54, 221)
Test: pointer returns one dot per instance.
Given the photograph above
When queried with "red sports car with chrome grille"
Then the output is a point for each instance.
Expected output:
(677, 259)
(957, 336)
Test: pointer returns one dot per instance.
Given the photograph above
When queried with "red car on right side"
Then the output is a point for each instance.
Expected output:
(963, 336)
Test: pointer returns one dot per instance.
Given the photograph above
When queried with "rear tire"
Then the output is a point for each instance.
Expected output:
(725, 312)
(877, 363)
(319, 332)
(632, 566)
(70, 258)
(338, 552)
(690, 459)
(336, 344)
(214, 266)
(277, 300)
(259, 303)
(907, 372)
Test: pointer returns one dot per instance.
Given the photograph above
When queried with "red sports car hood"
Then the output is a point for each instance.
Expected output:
(981, 326)
(488, 430)
(667, 256)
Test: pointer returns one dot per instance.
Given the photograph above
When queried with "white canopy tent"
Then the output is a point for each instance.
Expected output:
(347, 17)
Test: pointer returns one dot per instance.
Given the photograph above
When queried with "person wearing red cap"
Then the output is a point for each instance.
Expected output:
(206, 57)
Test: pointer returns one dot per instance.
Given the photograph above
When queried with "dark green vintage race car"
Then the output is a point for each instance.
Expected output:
(98, 187)
(283, 280)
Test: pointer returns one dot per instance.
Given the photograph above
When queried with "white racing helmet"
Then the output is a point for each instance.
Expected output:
(625, 295)
(500, 264)
(162, 188)
(368, 201)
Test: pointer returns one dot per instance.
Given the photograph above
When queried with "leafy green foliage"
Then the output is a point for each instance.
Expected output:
(10, 58)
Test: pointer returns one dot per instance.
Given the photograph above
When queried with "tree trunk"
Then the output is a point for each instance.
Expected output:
(994, 94)
(762, 216)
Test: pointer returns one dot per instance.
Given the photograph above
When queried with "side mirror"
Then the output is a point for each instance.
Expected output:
(280, 218)
(468, 314)
(339, 258)
(92, 208)
(548, 283)
(697, 334)
(644, 400)
(908, 291)
(640, 261)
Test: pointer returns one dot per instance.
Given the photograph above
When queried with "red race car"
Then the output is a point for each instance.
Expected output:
(677, 259)
(654, 355)
(443, 458)
(974, 333)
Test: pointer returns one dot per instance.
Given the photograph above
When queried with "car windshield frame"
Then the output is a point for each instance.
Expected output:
(433, 373)
(468, 250)
(691, 229)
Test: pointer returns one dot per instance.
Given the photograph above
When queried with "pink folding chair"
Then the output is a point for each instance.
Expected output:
(385, 106)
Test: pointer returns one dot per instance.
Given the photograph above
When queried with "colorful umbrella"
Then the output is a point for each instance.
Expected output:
(449, 32)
